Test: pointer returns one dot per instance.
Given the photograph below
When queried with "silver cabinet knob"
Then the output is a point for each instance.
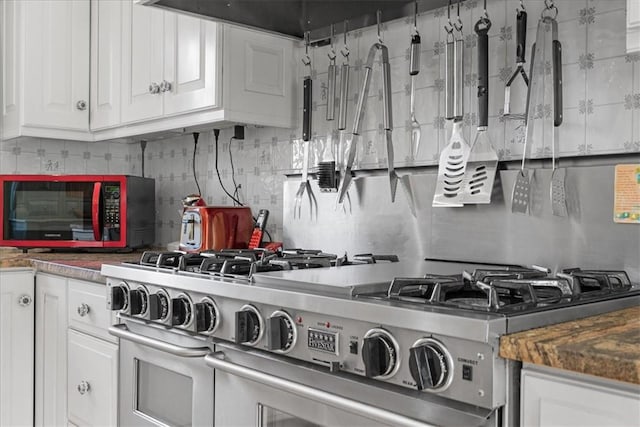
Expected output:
(154, 88)
(81, 105)
(25, 300)
(84, 387)
(83, 310)
(165, 86)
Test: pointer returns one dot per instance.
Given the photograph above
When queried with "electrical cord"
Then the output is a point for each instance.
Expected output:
(195, 148)
(233, 172)
(143, 146)
(216, 134)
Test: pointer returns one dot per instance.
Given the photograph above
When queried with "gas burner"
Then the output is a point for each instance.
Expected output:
(161, 259)
(510, 272)
(364, 259)
(597, 281)
(516, 289)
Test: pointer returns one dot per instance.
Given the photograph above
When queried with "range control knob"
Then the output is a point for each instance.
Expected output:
(118, 298)
(430, 364)
(282, 334)
(380, 354)
(180, 311)
(138, 301)
(159, 306)
(249, 326)
(206, 316)
(154, 307)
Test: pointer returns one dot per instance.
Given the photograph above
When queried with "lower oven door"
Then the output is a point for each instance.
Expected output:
(255, 388)
(163, 378)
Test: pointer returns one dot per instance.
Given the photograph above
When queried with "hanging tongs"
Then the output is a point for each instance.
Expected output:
(521, 40)
(387, 119)
(342, 103)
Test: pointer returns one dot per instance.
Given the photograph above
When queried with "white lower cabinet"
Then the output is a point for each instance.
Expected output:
(92, 381)
(76, 370)
(51, 350)
(16, 347)
(551, 397)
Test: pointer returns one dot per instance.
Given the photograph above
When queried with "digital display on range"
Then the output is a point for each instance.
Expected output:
(324, 341)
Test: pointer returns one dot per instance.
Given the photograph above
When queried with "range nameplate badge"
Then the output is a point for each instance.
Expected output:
(324, 341)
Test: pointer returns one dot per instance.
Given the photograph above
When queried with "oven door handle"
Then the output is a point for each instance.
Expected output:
(216, 361)
(121, 331)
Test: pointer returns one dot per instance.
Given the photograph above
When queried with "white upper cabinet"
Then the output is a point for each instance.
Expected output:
(633, 26)
(147, 70)
(190, 66)
(168, 65)
(106, 64)
(142, 62)
(261, 83)
(45, 61)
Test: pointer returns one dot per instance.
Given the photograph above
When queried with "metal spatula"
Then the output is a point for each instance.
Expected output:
(558, 194)
(522, 187)
(483, 160)
(414, 69)
(454, 157)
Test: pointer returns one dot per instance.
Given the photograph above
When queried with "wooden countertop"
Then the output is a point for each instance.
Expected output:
(74, 264)
(607, 345)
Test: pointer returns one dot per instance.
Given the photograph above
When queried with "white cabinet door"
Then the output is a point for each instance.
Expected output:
(51, 350)
(16, 347)
(142, 61)
(10, 75)
(56, 64)
(556, 399)
(88, 310)
(106, 64)
(191, 48)
(633, 26)
(92, 381)
(259, 77)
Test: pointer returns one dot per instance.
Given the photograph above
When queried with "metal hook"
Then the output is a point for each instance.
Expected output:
(522, 8)
(549, 7)
(448, 27)
(306, 59)
(485, 14)
(379, 19)
(345, 49)
(332, 52)
(458, 25)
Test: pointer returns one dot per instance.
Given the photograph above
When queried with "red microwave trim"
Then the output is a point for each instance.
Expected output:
(121, 179)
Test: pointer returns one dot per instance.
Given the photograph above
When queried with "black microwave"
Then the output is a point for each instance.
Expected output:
(77, 211)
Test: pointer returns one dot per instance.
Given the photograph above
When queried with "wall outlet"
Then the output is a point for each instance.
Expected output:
(238, 132)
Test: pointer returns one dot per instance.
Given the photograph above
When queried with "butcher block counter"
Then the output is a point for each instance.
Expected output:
(607, 346)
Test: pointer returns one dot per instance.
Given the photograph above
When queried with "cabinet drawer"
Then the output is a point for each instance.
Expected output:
(88, 309)
(92, 381)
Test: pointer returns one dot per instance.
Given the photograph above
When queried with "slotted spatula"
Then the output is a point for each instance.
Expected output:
(522, 187)
(483, 160)
(558, 194)
(454, 157)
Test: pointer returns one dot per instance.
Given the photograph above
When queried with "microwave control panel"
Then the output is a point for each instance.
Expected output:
(111, 205)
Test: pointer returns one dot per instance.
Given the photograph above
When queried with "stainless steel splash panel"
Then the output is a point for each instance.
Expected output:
(588, 237)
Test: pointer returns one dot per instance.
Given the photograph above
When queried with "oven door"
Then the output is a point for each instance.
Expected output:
(255, 388)
(163, 379)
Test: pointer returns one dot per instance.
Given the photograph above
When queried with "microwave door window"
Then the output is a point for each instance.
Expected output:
(49, 210)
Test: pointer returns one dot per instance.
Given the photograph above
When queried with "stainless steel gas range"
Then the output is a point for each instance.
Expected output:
(308, 338)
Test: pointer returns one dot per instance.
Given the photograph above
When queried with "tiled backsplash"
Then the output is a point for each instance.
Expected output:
(601, 111)
(601, 82)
